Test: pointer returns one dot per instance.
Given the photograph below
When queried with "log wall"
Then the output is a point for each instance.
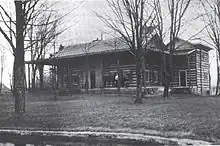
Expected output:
(202, 66)
(188, 64)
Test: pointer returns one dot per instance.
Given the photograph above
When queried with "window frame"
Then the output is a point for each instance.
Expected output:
(147, 77)
(156, 76)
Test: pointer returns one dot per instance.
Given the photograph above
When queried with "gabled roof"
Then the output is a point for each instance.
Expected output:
(203, 47)
(184, 47)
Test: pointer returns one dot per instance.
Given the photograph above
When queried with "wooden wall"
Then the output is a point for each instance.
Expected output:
(106, 65)
(202, 66)
(187, 63)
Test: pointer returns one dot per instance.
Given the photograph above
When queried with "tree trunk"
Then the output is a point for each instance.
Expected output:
(29, 77)
(41, 71)
(217, 85)
(143, 77)
(119, 78)
(164, 76)
(19, 68)
(33, 83)
(1, 76)
(87, 74)
(138, 82)
(171, 68)
(166, 91)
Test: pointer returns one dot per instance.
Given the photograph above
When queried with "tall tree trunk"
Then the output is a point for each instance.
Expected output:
(87, 73)
(19, 68)
(1, 76)
(170, 68)
(143, 77)
(119, 76)
(217, 85)
(33, 82)
(29, 77)
(41, 71)
(138, 76)
(165, 77)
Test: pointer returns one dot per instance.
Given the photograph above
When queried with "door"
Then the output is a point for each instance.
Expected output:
(92, 79)
(182, 78)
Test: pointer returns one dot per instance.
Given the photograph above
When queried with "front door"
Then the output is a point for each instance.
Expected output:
(92, 79)
(182, 77)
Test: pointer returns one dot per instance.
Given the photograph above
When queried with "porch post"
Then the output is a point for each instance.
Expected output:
(61, 75)
(102, 68)
(69, 78)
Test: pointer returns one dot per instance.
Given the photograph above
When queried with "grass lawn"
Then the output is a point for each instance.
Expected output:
(194, 117)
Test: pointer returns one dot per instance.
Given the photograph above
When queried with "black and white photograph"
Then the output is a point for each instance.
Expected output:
(109, 72)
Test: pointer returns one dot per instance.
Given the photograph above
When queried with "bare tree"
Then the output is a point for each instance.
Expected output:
(211, 18)
(24, 13)
(2, 59)
(86, 49)
(42, 33)
(131, 21)
(177, 10)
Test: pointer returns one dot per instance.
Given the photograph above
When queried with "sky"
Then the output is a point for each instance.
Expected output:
(85, 26)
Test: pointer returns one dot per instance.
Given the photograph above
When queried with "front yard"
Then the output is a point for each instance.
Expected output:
(179, 116)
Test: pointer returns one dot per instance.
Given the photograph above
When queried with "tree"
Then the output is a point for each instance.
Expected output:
(43, 31)
(211, 18)
(2, 59)
(19, 70)
(131, 21)
(24, 13)
(177, 10)
(86, 49)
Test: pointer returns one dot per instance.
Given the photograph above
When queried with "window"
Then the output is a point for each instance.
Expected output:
(75, 79)
(108, 79)
(206, 76)
(147, 75)
(154, 76)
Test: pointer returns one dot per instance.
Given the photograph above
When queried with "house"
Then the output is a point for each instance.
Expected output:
(191, 66)
(104, 59)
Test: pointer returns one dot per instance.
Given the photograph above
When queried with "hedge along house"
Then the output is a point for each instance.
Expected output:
(191, 67)
(106, 59)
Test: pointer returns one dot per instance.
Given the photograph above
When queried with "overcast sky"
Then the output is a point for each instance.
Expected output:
(86, 26)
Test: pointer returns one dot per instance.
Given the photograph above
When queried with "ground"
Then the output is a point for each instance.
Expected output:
(180, 116)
